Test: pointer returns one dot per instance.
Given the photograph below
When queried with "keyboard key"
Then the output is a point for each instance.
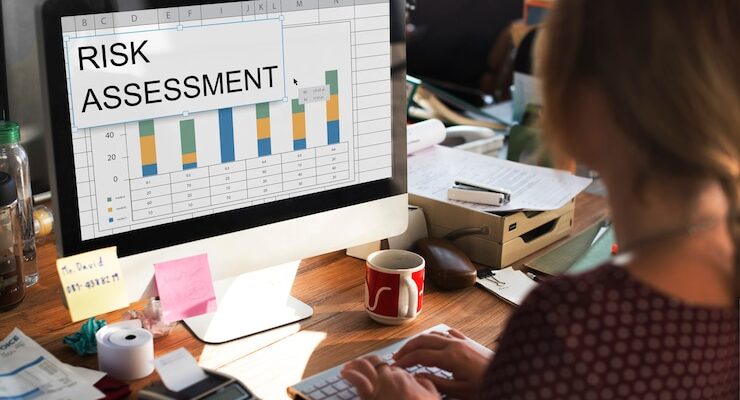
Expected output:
(346, 395)
(333, 397)
(334, 379)
(329, 390)
(317, 395)
(341, 385)
(310, 389)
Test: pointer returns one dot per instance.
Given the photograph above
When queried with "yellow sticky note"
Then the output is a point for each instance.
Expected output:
(92, 283)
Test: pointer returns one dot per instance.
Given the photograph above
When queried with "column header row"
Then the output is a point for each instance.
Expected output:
(206, 11)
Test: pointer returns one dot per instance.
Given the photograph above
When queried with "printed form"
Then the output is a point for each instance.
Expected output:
(27, 371)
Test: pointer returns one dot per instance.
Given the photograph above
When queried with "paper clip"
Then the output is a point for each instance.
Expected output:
(489, 275)
(495, 280)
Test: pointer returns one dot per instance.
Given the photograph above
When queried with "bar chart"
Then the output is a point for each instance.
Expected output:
(311, 118)
(332, 108)
(148, 148)
(264, 145)
(187, 143)
(299, 125)
(226, 134)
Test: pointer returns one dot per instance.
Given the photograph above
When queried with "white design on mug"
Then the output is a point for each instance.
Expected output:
(377, 297)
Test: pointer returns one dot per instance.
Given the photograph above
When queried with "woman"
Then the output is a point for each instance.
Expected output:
(647, 93)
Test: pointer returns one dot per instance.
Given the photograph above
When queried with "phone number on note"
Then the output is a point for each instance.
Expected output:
(92, 283)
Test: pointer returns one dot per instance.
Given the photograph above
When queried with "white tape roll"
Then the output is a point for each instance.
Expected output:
(125, 350)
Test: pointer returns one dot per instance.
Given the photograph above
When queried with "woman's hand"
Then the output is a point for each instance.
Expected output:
(375, 379)
(450, 352)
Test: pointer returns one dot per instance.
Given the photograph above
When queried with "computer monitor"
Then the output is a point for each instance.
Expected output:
(258, 132)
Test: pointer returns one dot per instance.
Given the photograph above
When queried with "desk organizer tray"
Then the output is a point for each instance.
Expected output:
(511, 236)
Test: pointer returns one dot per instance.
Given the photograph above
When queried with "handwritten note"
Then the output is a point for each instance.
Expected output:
(92, 283)
(185, 287)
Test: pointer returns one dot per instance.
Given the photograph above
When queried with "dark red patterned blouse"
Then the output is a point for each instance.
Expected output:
(605, 335)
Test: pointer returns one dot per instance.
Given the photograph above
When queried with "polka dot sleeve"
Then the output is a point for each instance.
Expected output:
(529, 343)
(604, 335)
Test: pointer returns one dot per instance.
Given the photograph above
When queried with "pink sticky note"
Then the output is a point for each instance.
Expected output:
(185, 287)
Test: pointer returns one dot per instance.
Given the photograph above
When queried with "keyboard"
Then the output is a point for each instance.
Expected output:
(329, 385)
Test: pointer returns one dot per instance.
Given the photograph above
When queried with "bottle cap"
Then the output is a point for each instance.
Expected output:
(8, 193)
(10, 132)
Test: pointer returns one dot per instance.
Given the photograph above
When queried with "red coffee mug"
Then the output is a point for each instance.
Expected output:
(394, 286)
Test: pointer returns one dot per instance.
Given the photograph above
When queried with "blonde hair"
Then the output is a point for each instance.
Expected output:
(670, 70)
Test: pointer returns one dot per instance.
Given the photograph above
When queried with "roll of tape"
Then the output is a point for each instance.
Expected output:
(43, 221)
(125, 350)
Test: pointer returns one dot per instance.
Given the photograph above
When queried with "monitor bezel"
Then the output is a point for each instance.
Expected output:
(64, 183)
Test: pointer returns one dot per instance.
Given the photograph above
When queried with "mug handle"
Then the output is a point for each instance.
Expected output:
(413, 296)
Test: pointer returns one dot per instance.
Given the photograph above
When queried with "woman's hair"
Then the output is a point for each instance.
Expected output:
(670, 72)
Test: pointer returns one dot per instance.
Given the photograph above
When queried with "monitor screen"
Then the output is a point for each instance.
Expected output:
(205, 118)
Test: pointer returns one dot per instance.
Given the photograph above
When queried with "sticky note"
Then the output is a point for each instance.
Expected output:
(185, 288)
(92, 283)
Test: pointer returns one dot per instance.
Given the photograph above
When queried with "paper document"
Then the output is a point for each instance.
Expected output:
(27, 371)
(178, 370)
(91, 376)
(508, 284)
(434, 170)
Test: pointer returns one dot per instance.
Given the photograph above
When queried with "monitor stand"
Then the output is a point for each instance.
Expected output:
(250, 303)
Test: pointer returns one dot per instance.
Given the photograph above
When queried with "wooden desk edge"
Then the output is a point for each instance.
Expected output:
(43, 318)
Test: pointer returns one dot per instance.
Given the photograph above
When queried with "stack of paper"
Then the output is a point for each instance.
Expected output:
(27, 371)
(434, 170)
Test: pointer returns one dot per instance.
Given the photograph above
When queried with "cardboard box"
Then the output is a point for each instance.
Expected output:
(510, 237)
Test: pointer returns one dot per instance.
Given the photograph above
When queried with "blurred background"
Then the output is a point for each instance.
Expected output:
(463, 43)
(21, 94)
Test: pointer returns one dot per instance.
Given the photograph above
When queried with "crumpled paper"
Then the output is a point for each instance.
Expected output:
(151, 318)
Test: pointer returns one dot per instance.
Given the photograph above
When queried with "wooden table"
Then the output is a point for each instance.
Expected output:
(268, 362)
